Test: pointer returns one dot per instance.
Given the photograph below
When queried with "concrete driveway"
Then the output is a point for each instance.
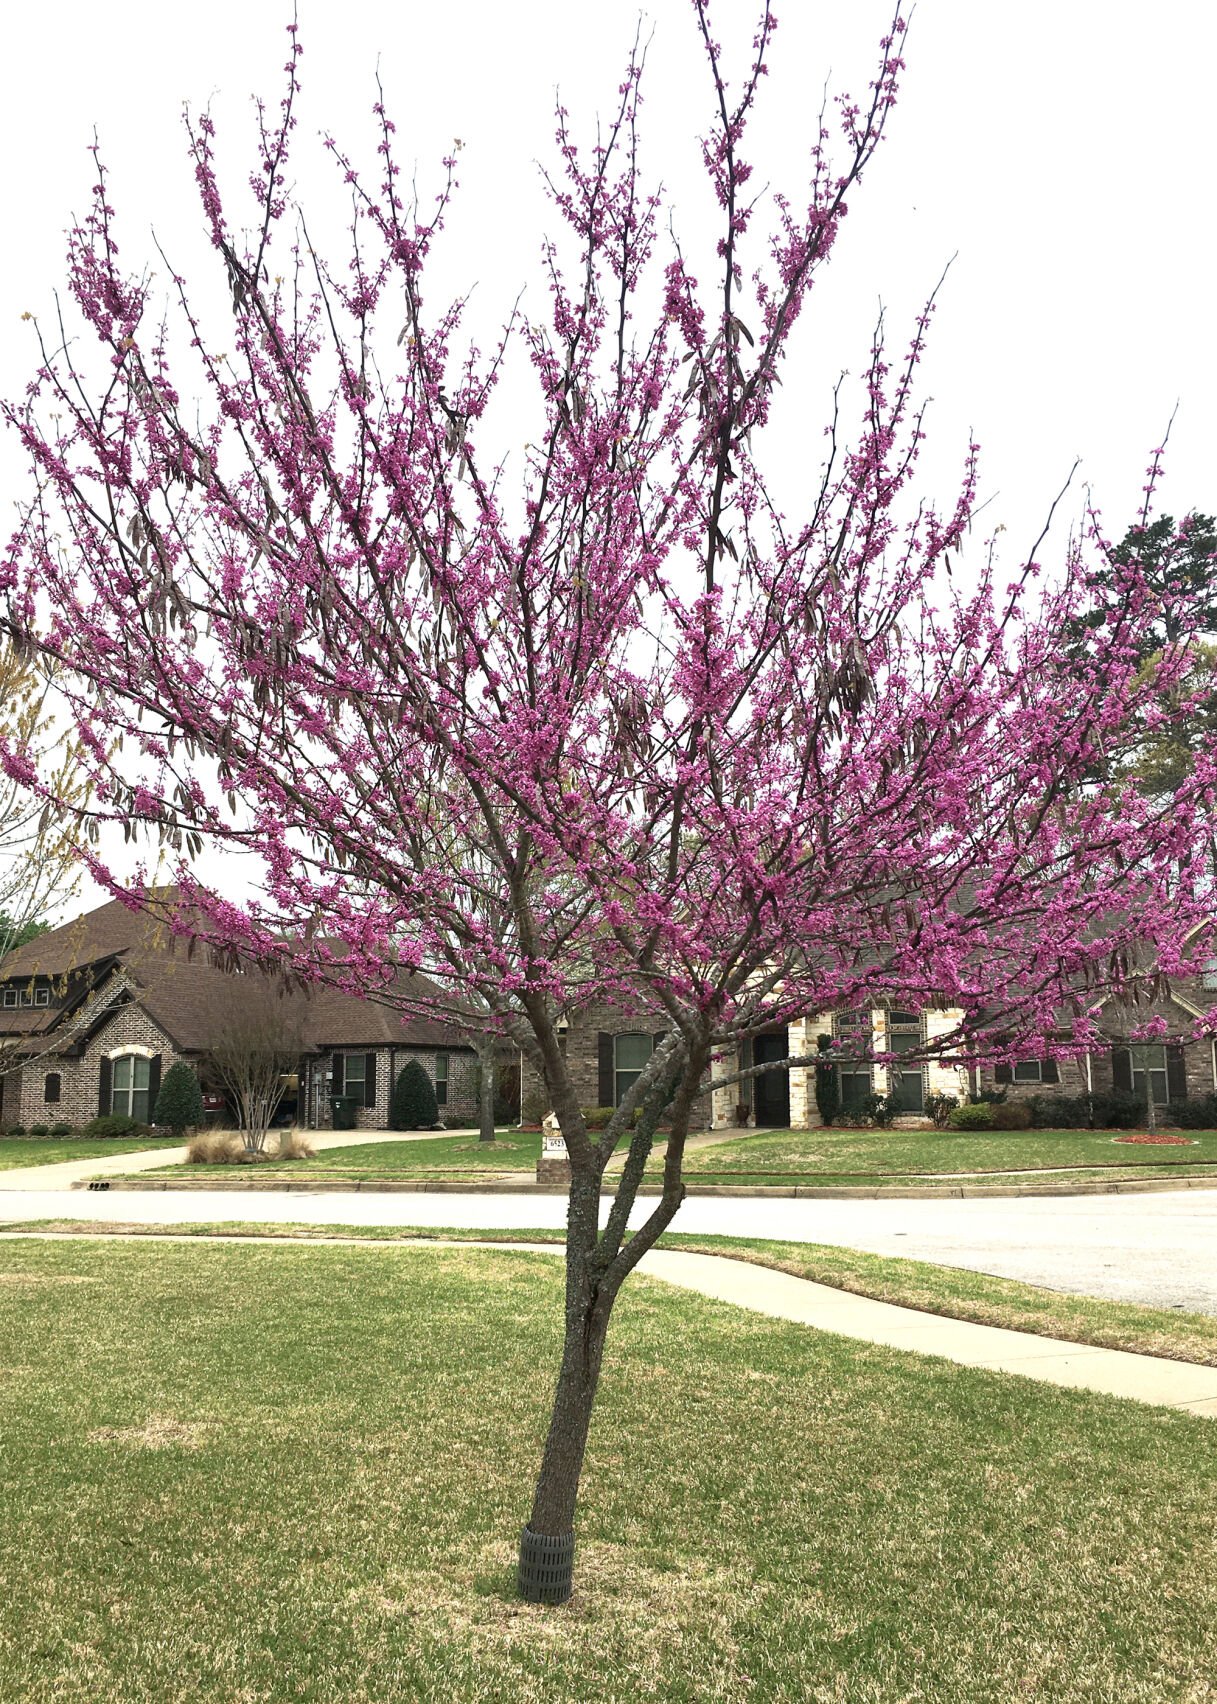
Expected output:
(1159, 1249)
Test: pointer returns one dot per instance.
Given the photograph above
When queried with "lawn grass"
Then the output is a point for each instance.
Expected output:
(851, 1155)
(951, 1291)
(998, 1182)
(238, 1473)
(17, 1151)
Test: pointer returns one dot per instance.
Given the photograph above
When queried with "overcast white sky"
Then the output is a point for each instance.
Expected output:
(1064, 151)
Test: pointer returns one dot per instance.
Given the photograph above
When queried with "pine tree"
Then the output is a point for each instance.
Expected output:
(828, 1089)
(414, 1104)
(179, 1105)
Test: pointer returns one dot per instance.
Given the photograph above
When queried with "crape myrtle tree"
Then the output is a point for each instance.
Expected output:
(602, 721)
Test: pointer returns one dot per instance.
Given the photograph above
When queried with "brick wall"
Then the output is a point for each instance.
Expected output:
(80, 1078)
(581, 1045)
(460, 1108)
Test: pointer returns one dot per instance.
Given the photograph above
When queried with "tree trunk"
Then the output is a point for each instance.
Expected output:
(486, 1095)
(587, 1316)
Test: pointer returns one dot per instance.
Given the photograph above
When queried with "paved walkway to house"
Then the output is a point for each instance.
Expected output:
(780, 1295)
(64, 1173)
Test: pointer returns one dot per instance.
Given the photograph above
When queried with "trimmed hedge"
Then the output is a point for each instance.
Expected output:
(414, 1105)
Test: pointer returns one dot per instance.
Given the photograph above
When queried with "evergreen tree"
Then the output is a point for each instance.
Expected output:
(828, 1088)
(414, 1106)
(179, 1106)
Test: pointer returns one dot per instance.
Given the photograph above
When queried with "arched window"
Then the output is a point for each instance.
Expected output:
(630, 1054)
(130, 1081)
(50, 1093)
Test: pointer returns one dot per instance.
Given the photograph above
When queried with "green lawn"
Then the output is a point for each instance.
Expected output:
(851, 1155)
(948, 1290)
(49, 1151)
(261, 1474)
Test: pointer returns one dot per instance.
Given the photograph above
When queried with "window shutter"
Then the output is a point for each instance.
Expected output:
(606, 1086)
(1176, 1074)
(337, 1082)
(154, 1085)
(1049, 1071)
(1121, 1069)
(369, 1080)
(103, 1088)
(1003, 1073)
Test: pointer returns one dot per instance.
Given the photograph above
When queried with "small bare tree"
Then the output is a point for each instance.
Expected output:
(251, 1056)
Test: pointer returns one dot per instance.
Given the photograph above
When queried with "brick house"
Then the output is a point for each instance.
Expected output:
(95, 1012)
(606, 1048)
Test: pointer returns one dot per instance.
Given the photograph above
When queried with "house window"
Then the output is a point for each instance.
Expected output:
(630, 1055)
(129, 1080)
(354, 1076)
(10, 996)
(50, 1093)
(1029, 1071)
(1208, 976)
(42, 996)
(855, 1076)
(1149, 1062)
(441, 1079)
(27, 997)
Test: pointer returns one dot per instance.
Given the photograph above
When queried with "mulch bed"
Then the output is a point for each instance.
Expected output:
(1159, 1141)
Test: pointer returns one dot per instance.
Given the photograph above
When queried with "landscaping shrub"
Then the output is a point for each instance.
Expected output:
(61, 1130)
(17, 1130)
(414, 1106)
(939, 1108)
(40, 1130)
(215, 1148)
(879, 1109)
(1060, 1112)
(597, 1117)
(115, 1124)
(1116, 1110)
(179, 1106)
(1010, 1115)
(977, 1115)
(828, 1085)
(533, 1108)
(1199, 1113)
(989, 1097)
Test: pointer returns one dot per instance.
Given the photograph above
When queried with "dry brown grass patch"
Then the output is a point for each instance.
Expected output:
(215, 1148)
(293, 1145)
(158, 1432)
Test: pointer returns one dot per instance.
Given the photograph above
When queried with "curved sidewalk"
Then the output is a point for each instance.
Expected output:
(1077, 1366)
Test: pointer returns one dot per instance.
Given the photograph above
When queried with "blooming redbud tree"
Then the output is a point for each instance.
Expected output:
(603, 722)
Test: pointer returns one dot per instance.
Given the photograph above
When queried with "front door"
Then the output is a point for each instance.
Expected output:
(771, 1090)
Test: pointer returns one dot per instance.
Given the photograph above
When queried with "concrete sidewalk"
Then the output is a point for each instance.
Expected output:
(1076, 1366)
(63, 1174)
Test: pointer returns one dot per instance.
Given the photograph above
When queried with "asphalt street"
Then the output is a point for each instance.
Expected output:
(1159, 1249)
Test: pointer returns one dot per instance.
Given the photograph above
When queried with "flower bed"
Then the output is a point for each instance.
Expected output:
(1159, 1141)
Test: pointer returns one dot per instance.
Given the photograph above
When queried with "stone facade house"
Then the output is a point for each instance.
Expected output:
(93, 1013)
(606, 1048)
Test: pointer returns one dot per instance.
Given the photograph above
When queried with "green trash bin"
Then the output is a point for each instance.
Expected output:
(344, 1109)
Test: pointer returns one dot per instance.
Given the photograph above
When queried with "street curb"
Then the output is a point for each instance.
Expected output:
(527, 1186)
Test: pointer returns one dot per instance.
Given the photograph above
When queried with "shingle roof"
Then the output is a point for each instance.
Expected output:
(195, 1002)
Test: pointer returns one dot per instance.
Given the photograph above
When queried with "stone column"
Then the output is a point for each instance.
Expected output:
(943, 1076)
(553, 1166)
(723, 1102)
(801, 1039)
(881, 1075)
